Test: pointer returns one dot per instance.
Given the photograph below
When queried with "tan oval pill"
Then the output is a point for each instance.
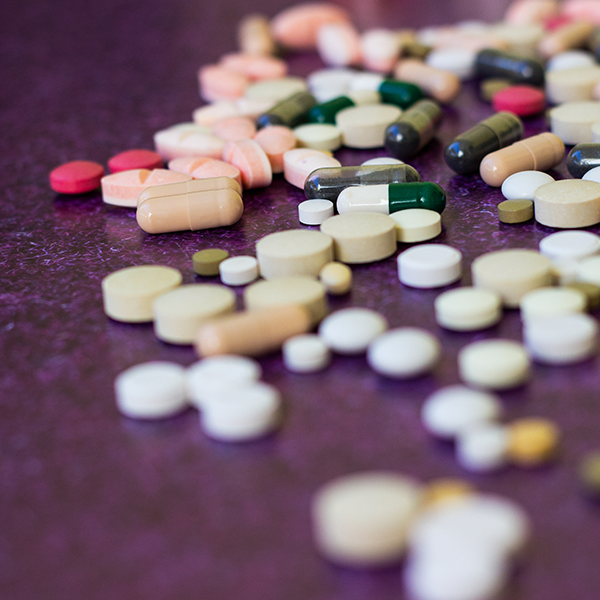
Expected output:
(128, 294)
(441, 85)
(568, 204)
(440, 491)
(276, 140)
(336, 277)
(532, 441)
(515, 211)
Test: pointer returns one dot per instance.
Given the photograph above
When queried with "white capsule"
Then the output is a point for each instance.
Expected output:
(364, 198)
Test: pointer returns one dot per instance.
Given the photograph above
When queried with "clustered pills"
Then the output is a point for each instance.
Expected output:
(260, 122)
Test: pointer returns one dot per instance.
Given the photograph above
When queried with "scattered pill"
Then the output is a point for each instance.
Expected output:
(522, 185)
(254, 165)
(571, 59)
(328, 84)
(459, 61)
(365, 126)
(275, 90)
(572, 85)
(572, 121)
(590, 291)
(515, 211)
(499, 64)
(216, 83)
(570, 245)
(76, 177)
(522, 100)
(233, 129)
(299, 163)
(289, 112)
(468, 309)
(570, 35)
(380, 49)
(254, 35)
(209, 114)
(319, 136)
(276, 141)
(305, 354)
(206, 262)
(588, 270)
(338, 44)
(400, 93)
(254, 67)
(201, 167)
(314, 212)
(568, 204)
(381, 160)
(135, 159)
(445, 489)
(351, 330)
(336, 277)
(490, 87)
(532, 441)
(417, 225)
(238, 270)
(441, 85)
(326, 111)
(551, 302)
(187, 139)
(429, 266)
(483, 447)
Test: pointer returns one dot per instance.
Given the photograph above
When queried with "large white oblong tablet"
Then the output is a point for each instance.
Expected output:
(522, 185)
(364, 126)
(572, 245)
(314, 212)
(319, 136)
(552, 302)
(429, 266)
(483, 447)
(351, 330)
(238, 270)
(417, 224)
(404, 352)
(468, 309)
(152, 390)
(305, 353)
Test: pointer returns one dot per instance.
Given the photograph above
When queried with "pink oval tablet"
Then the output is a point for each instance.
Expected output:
(298, 164)
(135, 159)
(233, 129)
(76, 177)
(252, 162)
(275, 141)
(255, 67)
(521, 100)
(219, 83)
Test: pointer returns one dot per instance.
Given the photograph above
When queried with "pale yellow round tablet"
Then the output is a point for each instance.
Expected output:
(179, 314)
(417, 224)
(128, 294)
(336, 277)
(568, 203)
(319, 136)
(494, 364)
(468, 309)
(293, 252)
(303, 291)
(552, 302)
(571, 85)
(512, 273)
(364, 126)
(572, 121)
(361, 237)
(275, 90)
(588, 270)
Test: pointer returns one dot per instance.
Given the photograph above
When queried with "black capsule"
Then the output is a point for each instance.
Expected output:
(498, 64)
(582, 158)
(415, 128)
(466, 151)
(289, 112)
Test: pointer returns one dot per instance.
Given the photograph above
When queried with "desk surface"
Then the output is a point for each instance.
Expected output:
(98, 506)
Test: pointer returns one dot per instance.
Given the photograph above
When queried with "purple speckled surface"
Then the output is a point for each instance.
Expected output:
(96, 506)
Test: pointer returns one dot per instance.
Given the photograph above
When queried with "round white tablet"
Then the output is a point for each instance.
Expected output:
(429, 266)
(522, 185)
(314, 212)
(571, 59)
(417, 225)
(151, 390)
(483, 447)
(459, 61)
(573, 245)
(588, 270)
(567, 86)
(454, 408)
(494, 364)
(275, 90)
(351, 330)
(383, 160)
(404, 352)
(593, 174)
(238, 270)
(305, 353)
(319, 136)
(552, 302)
(468, 309)
(327, 84)
(572, 121)
(364, 126)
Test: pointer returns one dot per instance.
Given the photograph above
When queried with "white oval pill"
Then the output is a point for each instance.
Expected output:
(327, 84)
(552, 302)
(314, 212)
(305, 354)
(238, 270)
(572, 245)
(417, 225)
(483, 447)
(351, 330)
(364, 126)
(522, 185)
(429, 266)
(318, 136)
(382, 160)
(468, 309)
(593, 174)
(571, 59)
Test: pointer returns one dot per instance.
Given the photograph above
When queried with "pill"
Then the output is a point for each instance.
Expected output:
(188, 206)
(275, 90)
(251, 160)
(254, 106)
(328, 84)
(522, 100)
(336, 277)
(522, 39)
(276, 141)
(338, 44)
(392, 197)
(242, 413)
(429, 266)
(254, 67)
(135, 159)
(539, 153)
(466, 151)
(252, 333)
(219, 83)
(351, 330)
(573, 245)
(305, 354)
(415, 49)
(232, 129)
(512, 273)
(572, 121)
(532, 441)
(380, 49)
(238, 270)
(328, 183)
(187, 139)
(382, 160)
(299, 163)
(590, 290)
(572, 85)
(568, 204)
(417, 225)
(76, 177)
(570, 59)
(515, 211)
(365, 126)
(392, 91)
(571, 35)
(214, 373)
(179, 313)
(588, 270)
(404, 353)
(445, 489)
(491, 63)
(314, 212)
(293, 252)
(522, 185)
(589, 473)
(490, 87)
(494, 364)
(530, 11)
(128, 294)
(201, 167)
(254, 35)
(564, 271)
(360, 238)
(551, 302)
(206, 262)
(289, 112)
(299, 290)
(413, 130)
(326, 111)
(441, 85)
(483, 447)
(582, 159)
(209, 114)
(152, 390)
(319, 136)
(592, 175)
(459, 61)
(468, 309)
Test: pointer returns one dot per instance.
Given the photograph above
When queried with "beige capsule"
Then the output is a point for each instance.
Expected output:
(441, 85)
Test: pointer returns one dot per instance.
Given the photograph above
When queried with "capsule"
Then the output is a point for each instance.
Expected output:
(190, 205)
(466, 151)
(583, 158)
(537, 153)
(392, 91)
(498, 64)
(325, 112)
(289, 112)
(328, 183)
(437, 83)
(389, 198)
(413, 130)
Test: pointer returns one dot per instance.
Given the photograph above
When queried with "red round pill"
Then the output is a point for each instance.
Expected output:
(135, 159)
(76, 177)
(521, 100)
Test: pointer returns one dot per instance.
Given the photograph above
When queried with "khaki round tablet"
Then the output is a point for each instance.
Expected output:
(416, 225)
(364, 126)
(512, 273)
(468, 309)
(515, 211)
(319, 136)
(568, 204)
(551, 302)
(206, 262)
(361, 237)
(275, 90)
(572, 122)
(128, 294)
(302, 291)
(588, 270)
(179, 314)
(532, 441)
(293, 252)
(571, 85)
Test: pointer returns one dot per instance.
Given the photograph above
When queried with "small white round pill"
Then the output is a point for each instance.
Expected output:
(468, 309)
(482, 448)
(151, 390)
(351, 330)
(238, 270)
(429, 266)
(417, 225)
(314, 212)
(552, 302)
(522, 185)
(305, 354)
(452, 409)
(382, 160)
(573, 245)
(404, 352)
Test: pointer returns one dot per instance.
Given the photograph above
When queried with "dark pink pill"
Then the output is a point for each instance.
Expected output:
(521, 100)
(76, 177)
(135, 159)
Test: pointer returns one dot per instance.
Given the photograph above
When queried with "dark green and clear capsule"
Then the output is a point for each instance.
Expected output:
(289, 112)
